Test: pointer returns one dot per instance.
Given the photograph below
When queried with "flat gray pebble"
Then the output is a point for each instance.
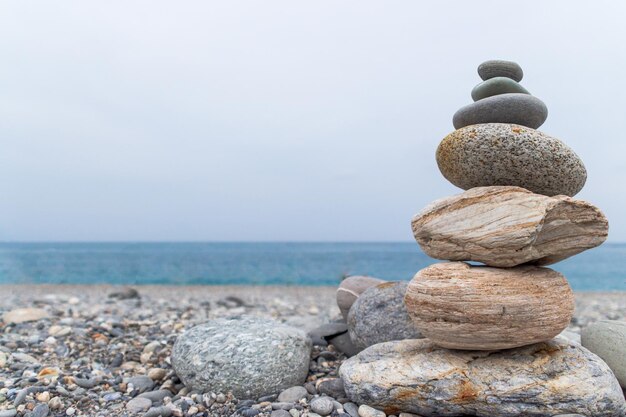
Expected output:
(158, 412)
(352, 409)
(156, 396)
(500, 68)
(322, 406)
(517, 108)
(280, 413)
(8, 413)
(292, 395)
(142, 383)
(40, 410)
(283, 406)
(138, 404)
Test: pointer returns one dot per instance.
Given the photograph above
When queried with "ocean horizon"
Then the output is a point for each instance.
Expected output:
(257, 263)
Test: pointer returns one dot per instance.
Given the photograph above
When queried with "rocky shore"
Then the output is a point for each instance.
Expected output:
(107, 351)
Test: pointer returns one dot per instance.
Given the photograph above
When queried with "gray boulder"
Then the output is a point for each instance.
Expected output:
(541, 380)
(248, 356)
(607, 339)
(380, 315)
(521, 109)
(509, 154)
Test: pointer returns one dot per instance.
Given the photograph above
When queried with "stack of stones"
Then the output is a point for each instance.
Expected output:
(491, 345)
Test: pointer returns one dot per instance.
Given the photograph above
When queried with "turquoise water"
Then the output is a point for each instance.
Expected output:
(603, 268)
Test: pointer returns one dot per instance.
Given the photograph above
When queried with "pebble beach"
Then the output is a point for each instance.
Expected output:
(106, 351)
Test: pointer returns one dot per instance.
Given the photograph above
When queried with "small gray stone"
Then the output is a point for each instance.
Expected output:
(156, 396)
(507, 154)
(607, 339)
(142, 383)
(367, 411)
(495, 86)
(350, 289)
(283, 406)
(126, 293)
(521, 109)
(292, 395)
(379, 315)
(8, 413)
(322, 406)
(352, 409)
(280, 413)
(500, 68)
(249, 356)
(249, 412)
(40, 410)
(344, 344)
(159, 412)
(321, 334)
(333, 387)
(138, 404)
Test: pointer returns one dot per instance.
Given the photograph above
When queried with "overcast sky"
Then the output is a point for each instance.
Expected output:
(279, 120)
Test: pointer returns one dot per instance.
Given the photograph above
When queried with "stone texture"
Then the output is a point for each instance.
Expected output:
(248, 356)
(379, 315)
(541, 380)
(507, 226)
(292, 395)
(508, 154)
(500, 68)
(23, 315)
(459, 306)
(607, 339)
(495, 86)
(350, 289)
(521, 109)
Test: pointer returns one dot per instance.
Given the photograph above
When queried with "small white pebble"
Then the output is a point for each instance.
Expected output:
(70, 411)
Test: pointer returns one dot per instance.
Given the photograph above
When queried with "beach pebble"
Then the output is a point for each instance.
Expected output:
(126, 293)
(460, 306)
(367, 411)
(156, 396)
(418, 374)
(517, 108)
(138, 404)
(280, 413)
(350, 289)
(157, 374)
(495, 86)
(379, 315)
(40, 410)
(8, 413)
(70, 411)
(505, 226)
(248, 356)
(508, 154)
(321, 334)
(351, 408)
(23, 315)
(500, 68)
(322, 406)
(333, 387)
(292, 395)
(142, 383)
(162, 411)
(607, 339)
(55, 403)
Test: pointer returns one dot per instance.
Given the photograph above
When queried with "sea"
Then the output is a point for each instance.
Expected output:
(284, 263)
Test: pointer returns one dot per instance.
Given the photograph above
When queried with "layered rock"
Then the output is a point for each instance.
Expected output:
(459, 306)
(506, 226)
(508, 154)
(544, 379)
(247, 356)
(380, 315)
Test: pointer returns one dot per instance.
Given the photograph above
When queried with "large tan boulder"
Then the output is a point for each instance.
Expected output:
(540, 380)
(459, 306)
(507, 226)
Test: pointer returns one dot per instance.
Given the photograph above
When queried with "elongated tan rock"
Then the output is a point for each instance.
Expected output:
(507, 226)
(459, 306)
(540, 380)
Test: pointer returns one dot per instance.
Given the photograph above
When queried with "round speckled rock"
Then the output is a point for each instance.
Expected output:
(350, 289)
(496, 86)
(500, 68)
(248, 356)
(508, 154)
(517, 108)
(380, 315)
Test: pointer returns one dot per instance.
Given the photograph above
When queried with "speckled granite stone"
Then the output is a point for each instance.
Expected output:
(500, 68)
(247, 356)
(517, 108)
(541, 380)
(379, 315)
(508, 154)
(496, 86)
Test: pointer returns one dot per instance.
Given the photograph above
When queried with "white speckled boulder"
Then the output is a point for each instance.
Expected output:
(508, 226)
(509, 154)
(247, 356)
(541, 380)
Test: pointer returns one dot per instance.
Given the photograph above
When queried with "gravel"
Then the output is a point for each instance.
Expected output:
(110, 346)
